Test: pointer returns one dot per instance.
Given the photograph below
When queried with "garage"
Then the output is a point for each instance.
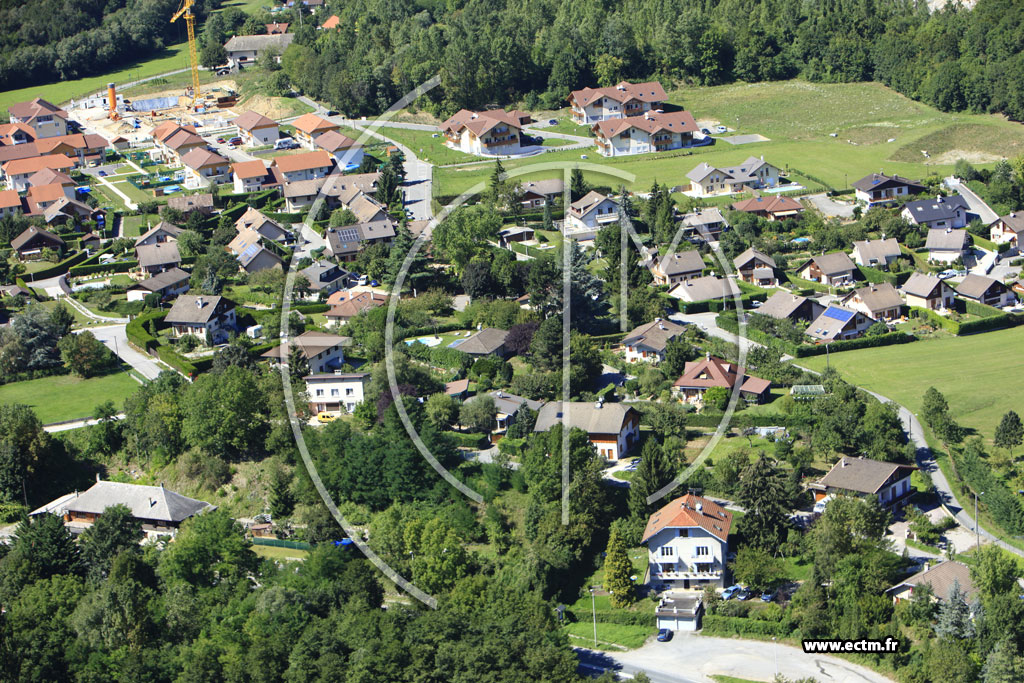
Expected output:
(679, 612)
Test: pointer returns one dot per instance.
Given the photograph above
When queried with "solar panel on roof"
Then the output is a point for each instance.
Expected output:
(349, 235)
(838, 314)
(250, 251)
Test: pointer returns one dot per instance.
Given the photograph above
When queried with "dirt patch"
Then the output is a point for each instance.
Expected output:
(871, 134)
(953, 155)
(271, 107)
(973, 141)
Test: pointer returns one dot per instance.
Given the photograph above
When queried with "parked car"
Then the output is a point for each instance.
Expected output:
(721, 129)
(326, 417)
(362, 280)
(731, 592)
(285, 143)
(768, 596)
(664, 635)
(235, 141)
(705, 131)
(374, 283)
(102, 173)
(743, 594)
(220, 140)
(552, 122)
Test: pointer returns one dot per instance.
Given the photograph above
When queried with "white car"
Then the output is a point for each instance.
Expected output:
(721, 129)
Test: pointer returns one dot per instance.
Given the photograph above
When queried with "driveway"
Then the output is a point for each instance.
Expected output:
(115, 339)
(986, 214)
(692, 657)
(830, 208)
(707, 324)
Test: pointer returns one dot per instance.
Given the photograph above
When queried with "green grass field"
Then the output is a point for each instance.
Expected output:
(628, 637)
(981, 376)
(169, 59)
(64, 397)
(799, 118)
(425, 146)
(275, 553)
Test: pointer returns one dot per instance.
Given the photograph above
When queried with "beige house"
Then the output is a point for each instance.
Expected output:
(927, 291)
(1008, 228)
(613, 428)
(199, 315)
(835, 269)
(678, 267)
(753, 173)
(756, 268)
(309, 127)
(876, 253)
(486, 133)
(940, 578)
(204, 168)
(880, 301)
(256, 129)
(886, 482)
(647, 343)
(838, 322)
(700, 375)
(622, 100)
(46, 120)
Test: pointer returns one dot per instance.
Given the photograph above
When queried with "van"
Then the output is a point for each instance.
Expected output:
(285, 143)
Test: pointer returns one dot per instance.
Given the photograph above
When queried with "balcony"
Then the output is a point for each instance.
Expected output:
(608, 217)
(679, 576)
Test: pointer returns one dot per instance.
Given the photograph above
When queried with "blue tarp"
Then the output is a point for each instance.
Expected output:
(344, 541)
(154, 103)
(83, 190)
(171, 188)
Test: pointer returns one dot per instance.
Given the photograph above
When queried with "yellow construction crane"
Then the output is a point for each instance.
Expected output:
(190, 23)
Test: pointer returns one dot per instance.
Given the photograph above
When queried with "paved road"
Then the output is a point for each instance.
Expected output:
(80, 307)
(115, 339)
(76, 424)
(926, 461)
(706, 322)
(975, 202)
(693, 658)
(829, 207)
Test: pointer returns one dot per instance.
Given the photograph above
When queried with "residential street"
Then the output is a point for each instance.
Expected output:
(977, 206)
(75, 424)
(692, 658)
(829, 207)
(115, 339)
(706, 322)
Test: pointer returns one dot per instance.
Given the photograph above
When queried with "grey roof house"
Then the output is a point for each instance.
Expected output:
(946, 245)
(200, 315)
(876, 253)
(785, 305)
(941, 212)
(156, 258)
(488, 341)
(160, 510)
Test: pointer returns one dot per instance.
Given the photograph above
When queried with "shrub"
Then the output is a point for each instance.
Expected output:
(188, 343)
(718, 625)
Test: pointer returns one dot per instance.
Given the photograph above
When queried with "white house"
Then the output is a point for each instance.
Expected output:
(941, 212)
(886, 482)
(647, 343)
(652, 131)
(308, 166)
(323, 352)
(878, 188)
(256, 129)
(244, 51)
(876, 253)
(250, 176)
(622, 100)
(591, 212)
(45, 119)
(485, 133)
(199, 315)
(204, 168)
(946, 245)
(1008, 228)
(336, 392)
(838, 322)
(688, 543)
(753, 173)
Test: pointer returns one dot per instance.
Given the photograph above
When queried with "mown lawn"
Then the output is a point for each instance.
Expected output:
(427, 147)
(799, 118)
(169, 59)
(55, 399)
(582, 633)
(275, 553)
(981, 376)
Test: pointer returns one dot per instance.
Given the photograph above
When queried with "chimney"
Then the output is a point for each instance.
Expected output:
(707, 355)
(199, 302)
(700, 507)
(938, 198)
(98, 477)
(842, 463)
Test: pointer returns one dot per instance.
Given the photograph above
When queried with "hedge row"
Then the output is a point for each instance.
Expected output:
(254, 199)
(1004, 505)
(715, 305)
(176, 361)
(715, 624)
(441, 356)
(138, 334)
(887, 339)
(311, 308)
(405, 333)
(59, 268)
(116, 267)
(643, 618)
(980, 310)
(876, 276)
(286, 218)
(998, 322)
(729, 323)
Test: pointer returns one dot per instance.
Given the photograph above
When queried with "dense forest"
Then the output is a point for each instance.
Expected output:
(49, 40)
(536, 52)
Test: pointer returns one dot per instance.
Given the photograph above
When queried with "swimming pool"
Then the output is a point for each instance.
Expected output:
(426, 341)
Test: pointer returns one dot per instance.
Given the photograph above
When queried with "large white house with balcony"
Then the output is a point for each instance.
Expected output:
(687, 543)
(625, 99)
(591, 212)
(486, 133)
(336, 392)
(652, 131)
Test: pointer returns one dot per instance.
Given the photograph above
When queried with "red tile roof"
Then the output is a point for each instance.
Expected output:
(301, 162)
(688, 512)
(249, 169)
(651, 91)
(31, 165)
(311, 123)
(9, 199)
